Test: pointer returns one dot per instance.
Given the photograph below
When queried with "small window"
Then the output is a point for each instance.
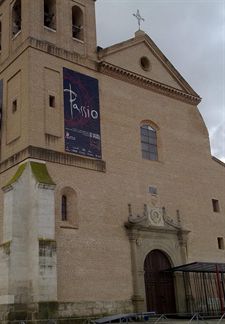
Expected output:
(220, 242)
(215, 204)
(52, 101)
(149, 143)
(16, 17)
(145, 63)
(14, 106)
(152, 190)
(68, 208)
(50, 14)
(47, 248)
(77, 23)
(64, 208)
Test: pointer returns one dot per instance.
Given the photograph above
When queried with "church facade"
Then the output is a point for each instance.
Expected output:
(105, 169)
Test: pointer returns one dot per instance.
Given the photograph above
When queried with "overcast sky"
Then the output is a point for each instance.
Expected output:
(191, 33)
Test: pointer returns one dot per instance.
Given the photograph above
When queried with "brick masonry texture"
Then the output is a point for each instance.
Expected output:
(94, 268)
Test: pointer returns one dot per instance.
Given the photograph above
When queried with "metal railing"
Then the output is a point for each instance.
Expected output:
(185, 318)
(71, 320)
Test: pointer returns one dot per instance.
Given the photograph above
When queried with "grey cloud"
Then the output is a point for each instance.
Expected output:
(218, 141)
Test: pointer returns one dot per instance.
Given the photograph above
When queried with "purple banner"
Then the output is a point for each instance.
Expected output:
(81, 114)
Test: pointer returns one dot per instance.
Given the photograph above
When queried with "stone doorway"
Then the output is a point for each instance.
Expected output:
(159, 286)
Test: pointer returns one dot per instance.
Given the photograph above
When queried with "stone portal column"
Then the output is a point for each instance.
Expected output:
(182, 300)
(137, 298)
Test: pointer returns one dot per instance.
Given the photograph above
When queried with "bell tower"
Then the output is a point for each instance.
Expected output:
(67, 24)
(38, 39)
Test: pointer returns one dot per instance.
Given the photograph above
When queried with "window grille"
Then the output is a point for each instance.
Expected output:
(149, 143)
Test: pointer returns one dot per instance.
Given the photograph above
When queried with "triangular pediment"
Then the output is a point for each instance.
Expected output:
(143, 58)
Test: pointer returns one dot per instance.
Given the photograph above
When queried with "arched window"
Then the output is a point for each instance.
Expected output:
(64, 208)
(149, 142)
(68, 208)
(77, 23)
(50, 14)
(16, 17)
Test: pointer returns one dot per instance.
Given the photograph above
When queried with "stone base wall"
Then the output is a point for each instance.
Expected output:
(101, 308)
(63, 310)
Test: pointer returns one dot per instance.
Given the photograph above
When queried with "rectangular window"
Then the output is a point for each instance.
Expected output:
(46, 248)
(14, 106)
(52, 101)
(220, 242)
(153, 190)
(64, 208)
(215, 204)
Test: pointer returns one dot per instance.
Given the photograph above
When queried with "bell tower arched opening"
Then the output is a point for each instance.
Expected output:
(77, 23)
(16, 18)
(50, 14)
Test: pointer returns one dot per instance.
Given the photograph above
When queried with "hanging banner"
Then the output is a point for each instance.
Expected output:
(1, 101)
(81, 114)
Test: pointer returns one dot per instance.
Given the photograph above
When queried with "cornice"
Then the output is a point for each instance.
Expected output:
(54, 50)
(218, 161)
(137, 228)
(43, 154)
(142, 37)
(147, 83)
(51, 49)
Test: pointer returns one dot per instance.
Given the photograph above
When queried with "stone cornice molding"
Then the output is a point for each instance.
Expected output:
(140, 228)
(142, 37)
(218, 161)
(147, 83)
(42, 154)
(51, 49)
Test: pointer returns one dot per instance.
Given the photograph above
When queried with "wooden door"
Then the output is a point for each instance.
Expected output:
(159, 285)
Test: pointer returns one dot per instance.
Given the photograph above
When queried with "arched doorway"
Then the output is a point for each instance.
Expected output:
(159, 286)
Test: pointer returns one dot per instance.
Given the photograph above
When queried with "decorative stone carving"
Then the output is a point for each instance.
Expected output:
(155, 216)
(135, 219)
(138, 241)
(169, 221)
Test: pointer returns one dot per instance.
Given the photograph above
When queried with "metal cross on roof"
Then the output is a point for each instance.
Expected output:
(139, 18)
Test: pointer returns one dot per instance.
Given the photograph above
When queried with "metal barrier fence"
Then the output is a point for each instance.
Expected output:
(156, 319)
(74, 320)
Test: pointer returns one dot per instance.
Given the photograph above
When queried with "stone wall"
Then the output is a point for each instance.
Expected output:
(63, 310)
(28, 252)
